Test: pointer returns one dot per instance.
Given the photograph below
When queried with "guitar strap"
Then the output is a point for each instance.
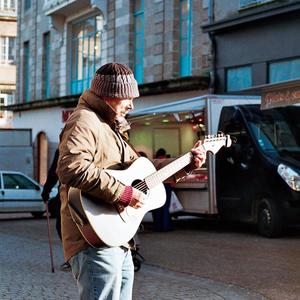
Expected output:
(125, 143)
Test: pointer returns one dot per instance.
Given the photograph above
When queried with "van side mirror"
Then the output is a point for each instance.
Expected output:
(37, 188)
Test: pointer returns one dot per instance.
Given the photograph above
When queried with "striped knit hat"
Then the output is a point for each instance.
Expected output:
(115, 80)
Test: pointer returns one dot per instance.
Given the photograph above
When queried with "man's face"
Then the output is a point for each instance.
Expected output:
(120, 106)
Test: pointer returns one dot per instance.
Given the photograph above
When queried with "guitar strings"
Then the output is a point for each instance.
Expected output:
(142, 186)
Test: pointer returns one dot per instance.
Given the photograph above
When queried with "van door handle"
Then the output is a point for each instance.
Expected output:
(2, 192)
(244, 166)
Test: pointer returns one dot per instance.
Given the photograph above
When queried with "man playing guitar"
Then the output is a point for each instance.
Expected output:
(94, 140)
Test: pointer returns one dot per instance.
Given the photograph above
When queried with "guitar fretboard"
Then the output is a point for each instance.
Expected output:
(169, 170)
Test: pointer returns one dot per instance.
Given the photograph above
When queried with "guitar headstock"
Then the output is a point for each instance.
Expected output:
(214, 143)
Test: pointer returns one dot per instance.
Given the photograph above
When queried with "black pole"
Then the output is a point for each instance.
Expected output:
(49, 237)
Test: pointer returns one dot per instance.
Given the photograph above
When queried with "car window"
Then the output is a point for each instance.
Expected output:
(17, 181)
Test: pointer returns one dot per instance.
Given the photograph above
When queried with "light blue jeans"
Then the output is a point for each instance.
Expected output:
(103, 273)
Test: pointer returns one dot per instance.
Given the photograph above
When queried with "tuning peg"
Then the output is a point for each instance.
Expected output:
(228, 140)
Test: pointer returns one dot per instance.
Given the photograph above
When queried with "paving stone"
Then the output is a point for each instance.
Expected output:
(26, 274)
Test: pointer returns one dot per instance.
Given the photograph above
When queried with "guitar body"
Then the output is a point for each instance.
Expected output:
(110, 226)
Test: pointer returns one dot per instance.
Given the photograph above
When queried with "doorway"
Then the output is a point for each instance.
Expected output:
(42, 157)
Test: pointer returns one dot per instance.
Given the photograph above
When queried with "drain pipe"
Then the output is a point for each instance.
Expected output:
(212, 72)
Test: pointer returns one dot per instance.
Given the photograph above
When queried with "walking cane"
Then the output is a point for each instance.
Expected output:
(49, 237)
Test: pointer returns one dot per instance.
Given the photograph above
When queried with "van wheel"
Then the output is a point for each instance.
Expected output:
(269, 219)
(37, 214)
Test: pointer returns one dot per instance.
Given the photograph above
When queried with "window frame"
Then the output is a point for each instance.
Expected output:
(26, 71)
(46, 69)
(185, 59)
(282, 61)
(252, 3)
(248, 66)
(5, 48)
(11, 5)
(76, 86)
(27, 5)
(138, 16)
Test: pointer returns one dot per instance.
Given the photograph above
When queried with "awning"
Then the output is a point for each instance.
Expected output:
(186, 105)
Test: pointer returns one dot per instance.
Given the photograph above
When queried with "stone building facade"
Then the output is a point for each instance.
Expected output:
(161, 40)
(8, 32)
(61, 44)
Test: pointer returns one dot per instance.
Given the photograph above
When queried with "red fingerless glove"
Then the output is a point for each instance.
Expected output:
(126, 196)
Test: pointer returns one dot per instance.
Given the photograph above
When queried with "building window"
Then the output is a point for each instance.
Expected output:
(5, 99)
(139, 40)
(253, 3)
(26, 73)
(185, 37)
(46, 65)
(284, 70)
(8, 5)
(7, 50)
(238, 78)
(85, 52)
(27, 4)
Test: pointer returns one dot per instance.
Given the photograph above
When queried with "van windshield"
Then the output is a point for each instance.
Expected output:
(277, 130)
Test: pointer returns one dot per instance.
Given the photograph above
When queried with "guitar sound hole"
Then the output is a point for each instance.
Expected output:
(140, 185)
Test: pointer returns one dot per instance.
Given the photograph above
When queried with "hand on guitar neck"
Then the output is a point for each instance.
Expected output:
(199, 154)
(199, 157)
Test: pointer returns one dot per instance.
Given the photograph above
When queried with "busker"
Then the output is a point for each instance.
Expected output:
(94, 138)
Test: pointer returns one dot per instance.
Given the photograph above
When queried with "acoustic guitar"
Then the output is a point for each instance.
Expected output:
(101, 222)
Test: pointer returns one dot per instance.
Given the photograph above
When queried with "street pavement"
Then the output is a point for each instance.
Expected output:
(26, 271)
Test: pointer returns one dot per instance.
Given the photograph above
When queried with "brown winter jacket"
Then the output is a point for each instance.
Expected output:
(88, 146)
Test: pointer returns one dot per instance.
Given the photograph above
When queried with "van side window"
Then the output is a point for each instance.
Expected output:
(17, 181)
(234, 126)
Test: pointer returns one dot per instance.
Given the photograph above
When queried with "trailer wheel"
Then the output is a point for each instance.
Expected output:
(269, 219)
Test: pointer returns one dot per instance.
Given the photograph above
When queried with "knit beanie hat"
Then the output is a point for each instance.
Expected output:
(114, 80)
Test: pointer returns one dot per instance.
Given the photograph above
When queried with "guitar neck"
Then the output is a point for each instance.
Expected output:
(169, 170)
(211, 143)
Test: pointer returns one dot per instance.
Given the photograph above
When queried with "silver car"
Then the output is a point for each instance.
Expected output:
(20, 193)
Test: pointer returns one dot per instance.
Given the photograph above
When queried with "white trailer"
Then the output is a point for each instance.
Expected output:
(224, 186)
